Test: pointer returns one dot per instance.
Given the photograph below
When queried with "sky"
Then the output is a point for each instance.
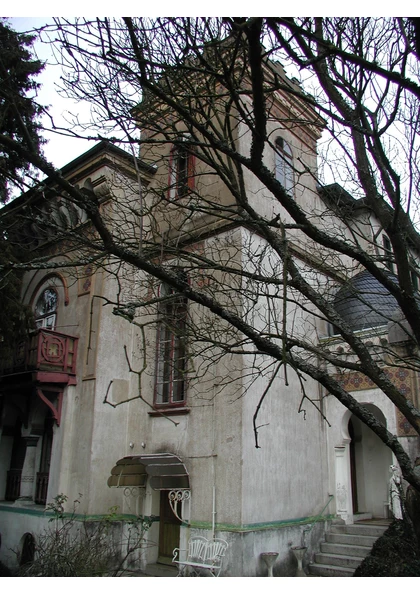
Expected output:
(59, 149)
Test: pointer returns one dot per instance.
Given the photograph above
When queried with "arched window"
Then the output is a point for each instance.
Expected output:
(27, 549)
(284, 164)
(45, 309)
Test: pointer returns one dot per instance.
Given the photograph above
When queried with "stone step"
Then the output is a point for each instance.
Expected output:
(330, 570)
(350, 550)
(345, 548)
(338, 560)
(375, 530)
(350, 539)
(361, 516)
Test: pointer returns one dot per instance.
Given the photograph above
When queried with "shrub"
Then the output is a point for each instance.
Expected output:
(394, 554)
(74, 547)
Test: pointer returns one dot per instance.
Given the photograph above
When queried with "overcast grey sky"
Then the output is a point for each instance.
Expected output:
(60, 149)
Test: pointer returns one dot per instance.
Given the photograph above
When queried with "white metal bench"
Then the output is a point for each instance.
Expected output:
(203, 558)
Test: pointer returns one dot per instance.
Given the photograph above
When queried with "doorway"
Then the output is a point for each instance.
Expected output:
(169, 530)
(370, 460)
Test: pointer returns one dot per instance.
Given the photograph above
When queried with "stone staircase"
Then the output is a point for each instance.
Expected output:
(345, 548)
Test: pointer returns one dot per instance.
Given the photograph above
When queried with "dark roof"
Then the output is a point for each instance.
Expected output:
(102, 150)
(337, 198)
(364, 303)
(104, 147)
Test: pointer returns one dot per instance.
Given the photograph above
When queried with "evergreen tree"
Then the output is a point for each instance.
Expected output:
(18, 122)
(18, 109)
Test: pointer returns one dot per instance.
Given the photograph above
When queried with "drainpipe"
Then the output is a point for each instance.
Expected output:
(213, 519)
(213, 515)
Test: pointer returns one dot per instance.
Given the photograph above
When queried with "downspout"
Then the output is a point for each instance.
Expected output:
(213, 520)
(213, 455)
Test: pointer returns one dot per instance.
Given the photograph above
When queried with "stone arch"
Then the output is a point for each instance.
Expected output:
(44, 282)
(345, 426)
(371, 459)
(361, 468)
(52, 283)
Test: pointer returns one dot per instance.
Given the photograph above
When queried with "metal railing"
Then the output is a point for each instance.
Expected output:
(307, 531)
(41, 487)
(13, 484)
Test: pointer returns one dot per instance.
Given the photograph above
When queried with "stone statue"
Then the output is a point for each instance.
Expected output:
(395, 492)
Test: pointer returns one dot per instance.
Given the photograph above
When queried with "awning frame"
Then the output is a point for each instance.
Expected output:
(165, 471)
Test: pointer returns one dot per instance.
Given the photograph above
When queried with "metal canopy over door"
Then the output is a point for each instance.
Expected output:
(166, 473)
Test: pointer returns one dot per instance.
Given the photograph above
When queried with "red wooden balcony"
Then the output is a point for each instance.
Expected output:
(45, 351)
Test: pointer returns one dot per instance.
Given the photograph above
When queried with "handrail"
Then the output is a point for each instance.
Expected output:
(315, 520)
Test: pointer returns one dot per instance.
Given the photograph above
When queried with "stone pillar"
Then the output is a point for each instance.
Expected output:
(344, 507)
(28, 472)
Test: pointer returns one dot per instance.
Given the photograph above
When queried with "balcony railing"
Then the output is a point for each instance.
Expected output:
(41, 487)
(13, 484)
(45, 350)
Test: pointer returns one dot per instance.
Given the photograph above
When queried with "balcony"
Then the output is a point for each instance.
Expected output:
(13, 484)
(51, 354)
(41, 487)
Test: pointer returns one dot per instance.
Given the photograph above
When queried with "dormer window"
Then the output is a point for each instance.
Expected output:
(181, 170)
(284, 164)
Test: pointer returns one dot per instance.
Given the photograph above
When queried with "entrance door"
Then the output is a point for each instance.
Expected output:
(168, 530)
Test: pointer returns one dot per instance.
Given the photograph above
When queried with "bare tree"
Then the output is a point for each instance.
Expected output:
(216, 110)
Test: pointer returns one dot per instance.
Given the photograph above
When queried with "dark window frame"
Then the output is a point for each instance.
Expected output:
(47, 317)
(171, 350)
(387, 246)
(181, 171)
(284, 164)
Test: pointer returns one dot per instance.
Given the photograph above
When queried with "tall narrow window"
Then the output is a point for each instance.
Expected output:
(45, 309)
(171, 349)
(284, 165)
(414, 280)
(388, 253)
(181, 175)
